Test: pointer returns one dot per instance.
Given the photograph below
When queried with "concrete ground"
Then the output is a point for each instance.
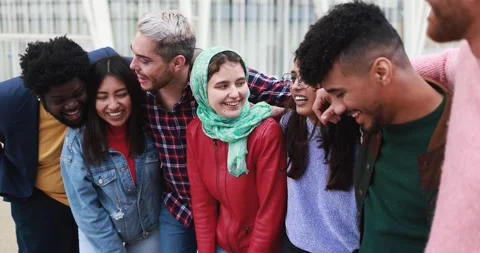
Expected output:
(8, 243)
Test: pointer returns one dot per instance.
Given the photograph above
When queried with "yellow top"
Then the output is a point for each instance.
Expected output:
(50, 143)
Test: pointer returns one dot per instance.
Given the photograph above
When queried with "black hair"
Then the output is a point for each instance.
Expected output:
(338, 141)
(95, 145)
(348, 32)
(52, 63)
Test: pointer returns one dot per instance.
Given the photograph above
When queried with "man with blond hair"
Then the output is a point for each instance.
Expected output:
(164, 49)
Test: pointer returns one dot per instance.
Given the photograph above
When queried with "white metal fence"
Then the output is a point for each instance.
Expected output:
(265, 32)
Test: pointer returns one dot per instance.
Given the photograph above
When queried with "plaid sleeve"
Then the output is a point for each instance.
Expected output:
(267, 89)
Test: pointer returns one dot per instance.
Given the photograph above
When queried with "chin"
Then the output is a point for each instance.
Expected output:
(305, 112)
(231, 115)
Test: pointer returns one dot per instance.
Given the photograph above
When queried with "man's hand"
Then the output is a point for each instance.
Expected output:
(277, 112)
(323, 108)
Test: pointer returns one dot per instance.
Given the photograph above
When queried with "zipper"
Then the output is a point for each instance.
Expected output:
(215, 146)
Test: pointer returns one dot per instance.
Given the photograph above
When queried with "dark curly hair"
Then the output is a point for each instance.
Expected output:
(352, 33)
(47, 64)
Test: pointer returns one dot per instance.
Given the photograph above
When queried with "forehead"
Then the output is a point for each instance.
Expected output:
(145, 46)
(65, 89)
(111, 83)
(229, 70)
(338, 77)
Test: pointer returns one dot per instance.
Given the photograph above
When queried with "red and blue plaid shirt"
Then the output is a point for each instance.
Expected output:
(168, 129)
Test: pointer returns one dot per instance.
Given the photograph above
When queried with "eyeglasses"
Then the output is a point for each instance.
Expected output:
(293, 78)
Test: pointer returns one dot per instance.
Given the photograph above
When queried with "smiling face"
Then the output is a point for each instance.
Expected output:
(358, 95)
(227, 90)
(66, 102)
(303, 95)
(113, 102)
(153, 72)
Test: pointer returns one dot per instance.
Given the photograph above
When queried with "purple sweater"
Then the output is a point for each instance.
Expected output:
(317, 220)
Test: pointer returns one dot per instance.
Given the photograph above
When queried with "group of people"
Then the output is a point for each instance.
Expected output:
(180, 149)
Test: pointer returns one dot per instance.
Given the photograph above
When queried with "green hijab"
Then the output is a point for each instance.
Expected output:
(232, 131)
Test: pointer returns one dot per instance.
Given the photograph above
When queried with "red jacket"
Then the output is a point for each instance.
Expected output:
(247, 213)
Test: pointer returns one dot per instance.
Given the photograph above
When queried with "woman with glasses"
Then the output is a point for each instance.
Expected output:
(321, 210)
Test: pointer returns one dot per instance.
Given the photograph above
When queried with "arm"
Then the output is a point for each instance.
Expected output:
(267, 89)
(438, 67)
(204, 206)
(92, 219)
(271, 191)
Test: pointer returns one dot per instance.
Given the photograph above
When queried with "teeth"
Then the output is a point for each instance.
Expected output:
(300, 98)
(114, 114)
(232, 104)
(355, 114)
(72, 113)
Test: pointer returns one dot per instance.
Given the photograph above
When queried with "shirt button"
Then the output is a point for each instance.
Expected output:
(368, 167)
(100, 181)
(129, 190)
(145, 234)
(123, 170)
(360, 192)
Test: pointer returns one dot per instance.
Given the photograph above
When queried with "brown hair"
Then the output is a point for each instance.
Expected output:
(219, 59)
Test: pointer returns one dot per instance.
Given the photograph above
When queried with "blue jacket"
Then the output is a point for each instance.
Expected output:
(19, 134)
(106, 204)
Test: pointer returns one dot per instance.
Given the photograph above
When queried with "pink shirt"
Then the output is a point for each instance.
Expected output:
(456, 225)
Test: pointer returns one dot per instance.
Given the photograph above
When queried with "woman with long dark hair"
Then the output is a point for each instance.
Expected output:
(110, 166)
(321, 210)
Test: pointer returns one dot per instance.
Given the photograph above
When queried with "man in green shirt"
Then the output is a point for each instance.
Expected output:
(358, 58)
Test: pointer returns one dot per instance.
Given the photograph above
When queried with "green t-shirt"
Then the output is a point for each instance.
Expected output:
(395, 209)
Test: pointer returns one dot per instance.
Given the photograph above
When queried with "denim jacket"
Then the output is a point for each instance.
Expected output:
(106, 204)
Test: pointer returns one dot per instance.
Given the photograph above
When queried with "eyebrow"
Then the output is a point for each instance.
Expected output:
(334, 90)
(139, 55)
(122, 89)
(73, 92)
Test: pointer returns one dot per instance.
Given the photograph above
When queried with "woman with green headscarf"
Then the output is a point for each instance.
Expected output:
(236, 161)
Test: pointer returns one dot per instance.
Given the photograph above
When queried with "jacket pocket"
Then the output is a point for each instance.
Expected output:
(108, 191)
(110, 198)
(103, 178)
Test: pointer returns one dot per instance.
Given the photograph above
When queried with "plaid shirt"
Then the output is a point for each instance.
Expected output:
(168, 129)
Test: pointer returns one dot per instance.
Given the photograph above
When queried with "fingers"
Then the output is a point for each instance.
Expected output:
(277, 111)
(323, 109)
(329, 116)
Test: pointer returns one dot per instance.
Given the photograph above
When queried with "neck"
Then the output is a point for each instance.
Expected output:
(116, 130)
(171, 94)
(313, 119)
(414, 97)
(473, 39)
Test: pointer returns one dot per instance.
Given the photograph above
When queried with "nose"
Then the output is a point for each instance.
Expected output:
(234, 93)
(71, 104)
(133, 63)
(338, 107)
(112, 104)
(296, 85)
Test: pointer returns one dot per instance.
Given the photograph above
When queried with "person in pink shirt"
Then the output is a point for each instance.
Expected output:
(456, 225)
